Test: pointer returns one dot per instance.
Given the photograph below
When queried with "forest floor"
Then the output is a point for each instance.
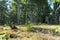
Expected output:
(38, 32)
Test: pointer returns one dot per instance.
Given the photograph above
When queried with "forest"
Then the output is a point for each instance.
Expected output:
(29, 19)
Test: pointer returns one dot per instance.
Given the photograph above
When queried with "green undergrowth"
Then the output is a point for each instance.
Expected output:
(28, 27)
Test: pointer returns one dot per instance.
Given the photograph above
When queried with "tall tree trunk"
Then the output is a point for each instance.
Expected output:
(18, 12)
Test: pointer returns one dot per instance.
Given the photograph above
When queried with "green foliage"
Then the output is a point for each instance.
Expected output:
(53, 1)
(28, 27)
(22, 11)
(23, 1)
(3, 37)
(55, 31)
(5, 25)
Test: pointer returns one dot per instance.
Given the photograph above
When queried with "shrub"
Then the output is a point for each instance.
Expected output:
(28, 26)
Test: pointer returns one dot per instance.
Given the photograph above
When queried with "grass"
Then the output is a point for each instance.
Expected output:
(26, 35)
